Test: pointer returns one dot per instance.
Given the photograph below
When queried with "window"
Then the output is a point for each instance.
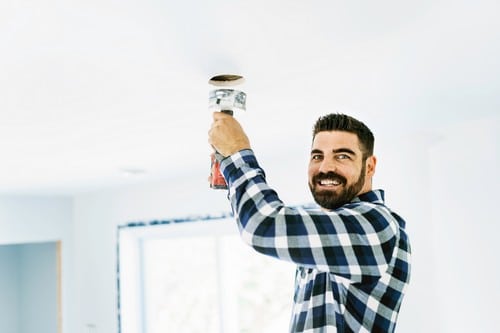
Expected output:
(198, 276)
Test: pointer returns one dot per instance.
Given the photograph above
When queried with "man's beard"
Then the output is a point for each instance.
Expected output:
(330, 199)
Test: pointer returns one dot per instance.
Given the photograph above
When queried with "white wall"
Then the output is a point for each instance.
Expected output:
(34, 219)
(40, 219)
(465, 184)
(444, 184)
(403, 171)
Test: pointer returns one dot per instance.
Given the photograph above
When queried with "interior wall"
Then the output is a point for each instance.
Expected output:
(464, 178)
(34, 219)
(42, 219)
(9, 289)
(403, 171)
(28, 282)
(38, 288)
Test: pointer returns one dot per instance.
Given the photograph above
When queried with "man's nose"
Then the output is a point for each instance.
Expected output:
(327, 165)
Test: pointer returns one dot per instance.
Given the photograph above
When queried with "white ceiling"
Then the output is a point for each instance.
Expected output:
(91, 88)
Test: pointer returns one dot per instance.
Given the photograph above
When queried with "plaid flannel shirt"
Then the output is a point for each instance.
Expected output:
(353, 264)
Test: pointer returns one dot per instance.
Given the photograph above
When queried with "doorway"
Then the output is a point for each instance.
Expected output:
(30, 285)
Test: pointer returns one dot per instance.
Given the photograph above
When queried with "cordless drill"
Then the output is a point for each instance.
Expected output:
(224, 99)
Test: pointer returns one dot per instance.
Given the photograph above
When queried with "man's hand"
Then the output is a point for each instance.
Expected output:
(226, 135)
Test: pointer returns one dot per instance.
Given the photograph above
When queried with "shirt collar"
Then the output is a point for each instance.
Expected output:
(375, 196)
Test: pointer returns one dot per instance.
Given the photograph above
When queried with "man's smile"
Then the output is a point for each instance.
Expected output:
(329, 181)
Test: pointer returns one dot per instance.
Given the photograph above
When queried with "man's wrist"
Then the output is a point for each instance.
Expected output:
(234, 149)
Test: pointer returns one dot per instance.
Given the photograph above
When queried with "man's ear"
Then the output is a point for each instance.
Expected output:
(371, 163)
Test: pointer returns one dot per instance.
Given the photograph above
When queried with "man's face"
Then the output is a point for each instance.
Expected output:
(337, 172)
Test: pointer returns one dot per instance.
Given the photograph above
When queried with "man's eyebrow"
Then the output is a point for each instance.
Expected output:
(335, 151)
(344, 150)
(316, 151)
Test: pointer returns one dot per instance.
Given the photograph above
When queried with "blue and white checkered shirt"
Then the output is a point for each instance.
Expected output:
(353, 264)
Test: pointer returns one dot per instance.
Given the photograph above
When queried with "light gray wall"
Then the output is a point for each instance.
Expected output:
(31, 219)
(28, 282)
(9, 289)
(38, 288)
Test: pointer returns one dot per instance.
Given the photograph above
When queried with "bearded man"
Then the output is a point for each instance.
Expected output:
(352, 254)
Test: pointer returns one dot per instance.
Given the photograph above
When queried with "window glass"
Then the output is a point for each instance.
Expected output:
(200, 277)
(180, 285)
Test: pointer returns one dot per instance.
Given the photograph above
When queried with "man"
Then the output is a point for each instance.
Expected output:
(352, 255)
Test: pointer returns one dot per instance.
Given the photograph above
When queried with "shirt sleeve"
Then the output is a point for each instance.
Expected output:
(356, 241)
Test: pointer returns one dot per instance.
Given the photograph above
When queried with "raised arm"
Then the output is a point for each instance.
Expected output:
(355, 241)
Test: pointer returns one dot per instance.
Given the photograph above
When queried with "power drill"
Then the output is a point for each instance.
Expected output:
(224, 99)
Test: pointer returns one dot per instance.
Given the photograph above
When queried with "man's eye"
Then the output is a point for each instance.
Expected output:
(315, 157)
(343, 157)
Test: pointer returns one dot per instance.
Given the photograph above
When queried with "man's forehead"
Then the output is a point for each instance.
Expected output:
(335, 140)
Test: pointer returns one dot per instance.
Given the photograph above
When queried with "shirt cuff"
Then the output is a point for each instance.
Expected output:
(231, 165)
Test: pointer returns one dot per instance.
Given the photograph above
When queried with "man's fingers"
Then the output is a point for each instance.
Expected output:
(226, 135)
(217, 115)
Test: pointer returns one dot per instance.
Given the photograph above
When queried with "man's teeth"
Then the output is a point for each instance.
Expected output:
(329, 182)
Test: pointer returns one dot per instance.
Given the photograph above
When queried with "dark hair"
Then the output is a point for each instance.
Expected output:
(345, 123)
